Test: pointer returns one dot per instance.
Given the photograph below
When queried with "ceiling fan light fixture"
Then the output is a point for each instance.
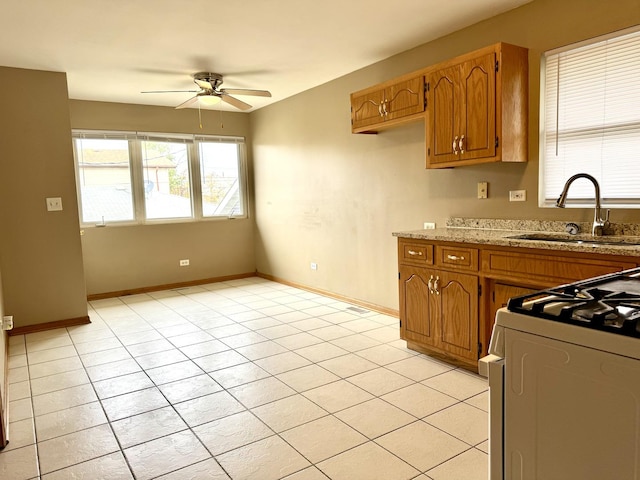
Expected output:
(209, 100)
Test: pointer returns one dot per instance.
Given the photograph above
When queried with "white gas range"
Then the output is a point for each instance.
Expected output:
(564, 378)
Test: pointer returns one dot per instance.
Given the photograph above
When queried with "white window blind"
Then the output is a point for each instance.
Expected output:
(590, 120)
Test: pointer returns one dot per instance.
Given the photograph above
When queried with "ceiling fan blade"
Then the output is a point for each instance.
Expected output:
(246, 91)
(188, 103)
(203, 84)
(235, 102)
(171, 91)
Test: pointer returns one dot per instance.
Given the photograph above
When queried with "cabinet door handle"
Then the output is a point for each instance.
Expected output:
(455, 258)
(380, 110)
(455, 145)
(413, 252)
(384, 107)
(430, 285)
(436, 286)
(461, 144)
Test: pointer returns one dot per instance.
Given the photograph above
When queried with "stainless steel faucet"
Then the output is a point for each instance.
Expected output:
(599, 225)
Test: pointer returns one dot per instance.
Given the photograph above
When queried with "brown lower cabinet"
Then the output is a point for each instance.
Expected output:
(450, 292)
(439, 309)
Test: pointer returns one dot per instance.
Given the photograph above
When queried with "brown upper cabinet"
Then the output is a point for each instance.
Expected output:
(477, 108)
(462, 110)
(388, 104)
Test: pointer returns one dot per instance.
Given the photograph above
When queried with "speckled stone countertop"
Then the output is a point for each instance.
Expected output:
(500, 232)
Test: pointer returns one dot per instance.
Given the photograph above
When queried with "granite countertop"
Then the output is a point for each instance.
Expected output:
(500, 232)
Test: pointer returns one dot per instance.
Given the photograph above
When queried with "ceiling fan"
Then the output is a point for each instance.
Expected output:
(210, 92)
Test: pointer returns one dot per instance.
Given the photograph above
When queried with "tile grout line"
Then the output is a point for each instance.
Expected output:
(296, 392)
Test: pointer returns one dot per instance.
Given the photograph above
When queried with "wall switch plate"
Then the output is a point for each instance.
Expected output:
(517, 195)
(429, 225)
(314, 266)
(54, 204)
(184, 263)
(483, 189)
(7, 322)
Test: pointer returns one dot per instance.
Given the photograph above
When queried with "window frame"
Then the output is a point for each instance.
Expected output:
(137, 176)
(581, 202)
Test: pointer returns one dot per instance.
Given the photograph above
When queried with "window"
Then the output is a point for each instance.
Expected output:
(590, 120)
(127, 177)
(220, 178)
(103, 172)
(167, 184)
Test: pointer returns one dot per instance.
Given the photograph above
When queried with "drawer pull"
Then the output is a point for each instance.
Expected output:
(413, 252)
(455, 258)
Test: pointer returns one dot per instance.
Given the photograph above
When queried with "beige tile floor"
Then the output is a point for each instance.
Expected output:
(246, 379)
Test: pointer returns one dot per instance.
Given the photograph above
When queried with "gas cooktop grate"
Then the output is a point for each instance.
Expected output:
(609, 303)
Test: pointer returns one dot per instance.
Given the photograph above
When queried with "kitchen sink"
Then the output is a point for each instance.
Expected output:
(545, 237)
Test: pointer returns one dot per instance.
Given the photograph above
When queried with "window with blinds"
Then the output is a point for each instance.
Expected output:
(590, 120)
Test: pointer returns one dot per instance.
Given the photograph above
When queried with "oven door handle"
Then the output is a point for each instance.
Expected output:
(493, 366)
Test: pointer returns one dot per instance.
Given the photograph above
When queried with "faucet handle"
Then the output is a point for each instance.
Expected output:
(606, 218)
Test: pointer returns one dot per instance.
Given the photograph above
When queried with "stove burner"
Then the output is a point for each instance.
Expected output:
(610, 303)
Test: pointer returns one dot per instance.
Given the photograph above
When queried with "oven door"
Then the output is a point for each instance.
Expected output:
(492, 366)
(570, 411)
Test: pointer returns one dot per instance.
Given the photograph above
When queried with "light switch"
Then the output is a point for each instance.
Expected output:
(483, 189)
(54, 204)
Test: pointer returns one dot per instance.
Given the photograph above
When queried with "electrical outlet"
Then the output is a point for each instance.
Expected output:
(483, 189)
(517, 195)
(54, 204)
(184, 263)
(314, 266)
(429, 225)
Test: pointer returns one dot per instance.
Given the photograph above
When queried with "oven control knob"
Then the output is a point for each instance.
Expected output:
(572, 228)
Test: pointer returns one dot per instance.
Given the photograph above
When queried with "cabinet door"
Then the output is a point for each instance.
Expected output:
(444, 108)
(457, 314)
(478, 133)
(367, 109)
(415, 305)
(500, 295)
(461, 125)
(404, 98)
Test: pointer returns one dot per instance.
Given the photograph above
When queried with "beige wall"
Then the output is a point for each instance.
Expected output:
(40, 251)
(321, 194)
(324, 195)
(118, 258)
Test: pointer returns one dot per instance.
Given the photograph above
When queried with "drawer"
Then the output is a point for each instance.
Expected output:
(416, 253)
(458, 258)
(546, 269)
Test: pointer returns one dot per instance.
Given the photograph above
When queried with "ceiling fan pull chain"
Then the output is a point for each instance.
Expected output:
(221, 124)
(199, 116)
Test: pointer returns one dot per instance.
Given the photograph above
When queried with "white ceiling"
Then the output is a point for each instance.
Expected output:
(113, 49)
